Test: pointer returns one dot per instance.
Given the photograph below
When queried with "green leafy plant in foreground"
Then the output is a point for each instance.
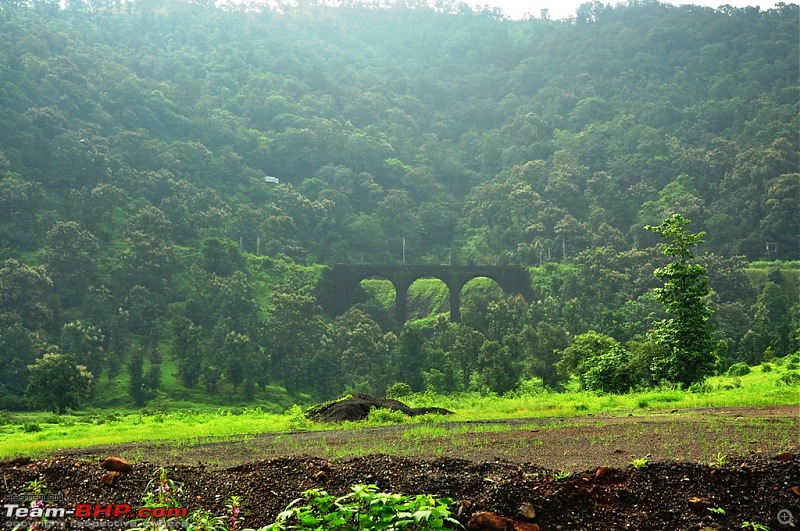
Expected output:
(720, 460)
(561, 474)
(754, 526)
(161, 492)
(365, 508)
(640, 463)
(38, 488)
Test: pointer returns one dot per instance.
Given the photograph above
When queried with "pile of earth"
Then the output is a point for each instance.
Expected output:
(662, 495)
(358, 406)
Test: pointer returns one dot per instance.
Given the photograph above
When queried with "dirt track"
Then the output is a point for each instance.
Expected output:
(487, 470)
(571, 444)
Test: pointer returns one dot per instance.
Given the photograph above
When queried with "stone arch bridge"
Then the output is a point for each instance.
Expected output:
(343, 279)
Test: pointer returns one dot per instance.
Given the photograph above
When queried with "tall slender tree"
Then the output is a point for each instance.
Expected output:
(686, 334)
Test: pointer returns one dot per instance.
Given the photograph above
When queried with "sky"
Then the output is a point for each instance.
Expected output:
(566, 8)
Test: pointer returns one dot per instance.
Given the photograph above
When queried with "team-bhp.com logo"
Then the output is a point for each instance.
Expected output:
(46, 512)
(96, 510)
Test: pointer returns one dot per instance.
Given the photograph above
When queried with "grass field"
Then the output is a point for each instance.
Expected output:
(180, 423)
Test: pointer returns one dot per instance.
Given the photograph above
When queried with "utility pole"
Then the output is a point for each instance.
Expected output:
(404, 251)
(772, 249)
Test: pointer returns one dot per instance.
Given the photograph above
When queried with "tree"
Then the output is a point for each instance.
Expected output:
(23, 294)
(609, 371)
(84, 342)
(221, 256)
(237, 358)
(499, 369)
(578, 357)
(136, 382)
(71, 257)
(16, 353)
(58, 382)
(687, 333)
(186, 350)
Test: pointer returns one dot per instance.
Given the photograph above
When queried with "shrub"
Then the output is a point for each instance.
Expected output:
(738, 369)
(609, 371)
(398, 390)
(700, 388)
(365, 508)
(766, 367)
(382, 415)
(790, 379)
(31, 427)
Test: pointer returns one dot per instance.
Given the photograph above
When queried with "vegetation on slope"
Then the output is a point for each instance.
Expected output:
(139, 239)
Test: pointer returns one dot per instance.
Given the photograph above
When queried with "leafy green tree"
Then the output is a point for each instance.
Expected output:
(462, 345)
(221, 256)
(136, 384)
(364, 351)
(84, 342)
(71, 254)
(20, 200)
(24, 294)
(608, 371)
(294, 329)
(772, 326)
(499, 366)
(542, 343)
(578, 357)
(142, 310)
(687, 333)
(150, 259)
(237, 358)
(187, 350)
(16, 353)
(405, 359)
(57, 382)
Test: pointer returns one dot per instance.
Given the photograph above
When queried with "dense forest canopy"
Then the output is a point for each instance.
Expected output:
(136, 224)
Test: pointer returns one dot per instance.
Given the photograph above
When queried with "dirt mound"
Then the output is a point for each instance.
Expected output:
(663, 495)
(358, 406)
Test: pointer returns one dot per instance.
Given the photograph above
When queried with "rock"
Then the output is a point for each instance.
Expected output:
(603, 472)
(485, 521)
(109, 478)
(795, 490)
(785, 456)
(527, 511)
(17, 461)
(116, 464)
(700, 504)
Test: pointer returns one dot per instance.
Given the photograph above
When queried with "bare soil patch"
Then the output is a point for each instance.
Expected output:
(487, 470)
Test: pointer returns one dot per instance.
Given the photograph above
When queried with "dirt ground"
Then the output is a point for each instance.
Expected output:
(575, 473)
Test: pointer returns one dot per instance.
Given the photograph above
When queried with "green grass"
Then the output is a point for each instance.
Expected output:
(179, 423)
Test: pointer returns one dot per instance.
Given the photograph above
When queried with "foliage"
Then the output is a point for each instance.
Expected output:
(141, 211)
(738, 369)
(365, 508)
(57, 382)
(609, 371)
(687, 334)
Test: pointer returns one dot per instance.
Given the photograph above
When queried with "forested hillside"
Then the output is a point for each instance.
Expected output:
(139, 238)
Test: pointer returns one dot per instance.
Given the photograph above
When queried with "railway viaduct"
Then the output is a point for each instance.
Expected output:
(343, 279)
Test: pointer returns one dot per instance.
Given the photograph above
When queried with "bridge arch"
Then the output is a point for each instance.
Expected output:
(343, 279)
